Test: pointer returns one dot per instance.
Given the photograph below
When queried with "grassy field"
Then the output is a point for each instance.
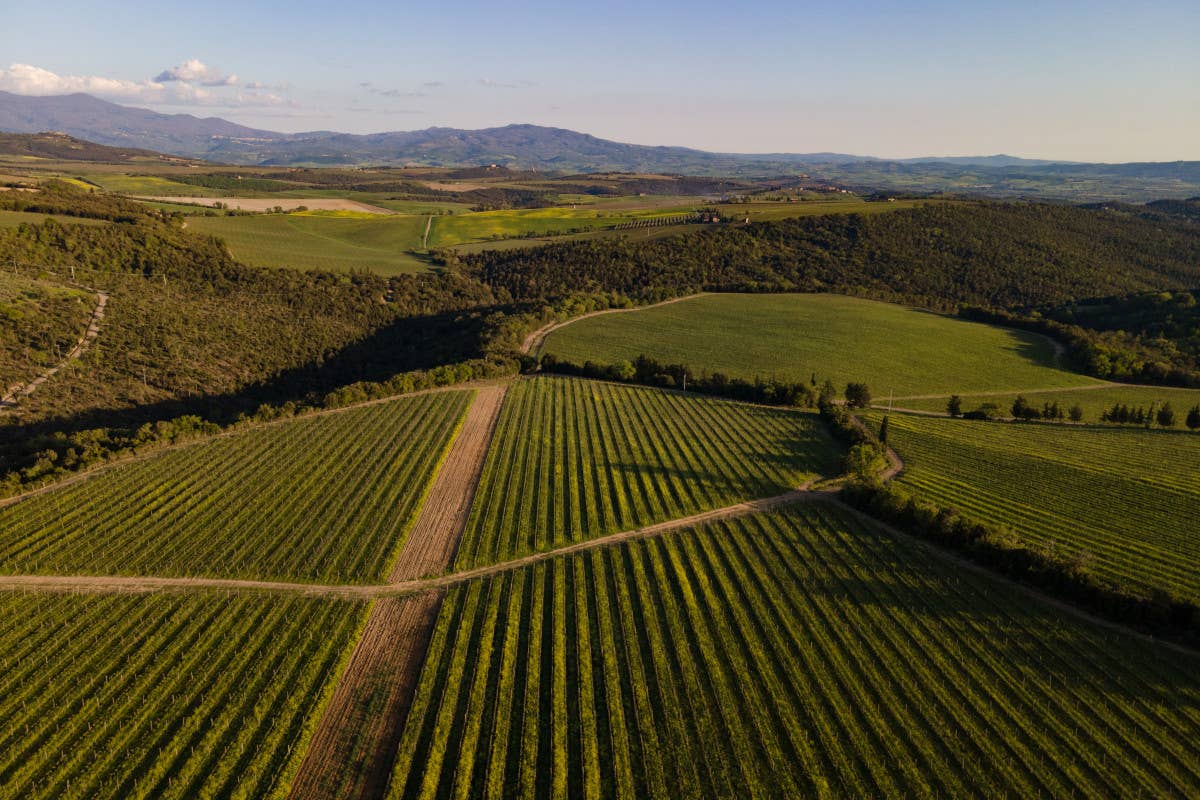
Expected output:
(800, 654)
(1093, 401)
(763, 211)
(147, 184)
(40, 321)
(1127, 499)
(12, 219)
(322, 242)
(893, 348)
(163, 696)
(449, 231)
(575, 459)
(323, 498)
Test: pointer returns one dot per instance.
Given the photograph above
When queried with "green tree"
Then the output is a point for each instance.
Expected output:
(857, 395)
(827, 393)
(1193, 418)
(1076, 413)
(1166, 416)
(883, 430)
(954, 406)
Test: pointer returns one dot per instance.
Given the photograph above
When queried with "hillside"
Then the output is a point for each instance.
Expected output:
(64, 147)
(549, 149)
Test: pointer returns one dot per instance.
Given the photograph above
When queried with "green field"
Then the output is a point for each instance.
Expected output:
(1092, 401)
(575, 459)
(321, 242)
(12, 219)
(169, 695)
(895, 349)
(148, 184)
(1128, 499)
(449, 231)
(800, 654)
(766, 211)
(323, 498)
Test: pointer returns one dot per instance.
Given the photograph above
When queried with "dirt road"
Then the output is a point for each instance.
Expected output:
(93, 330)
(534, 340)
(352, 751)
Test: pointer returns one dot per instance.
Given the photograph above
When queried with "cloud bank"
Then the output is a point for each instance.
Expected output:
(190, 83)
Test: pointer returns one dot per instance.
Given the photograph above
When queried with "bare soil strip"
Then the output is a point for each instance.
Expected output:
(93, 330)
(533, 341)
(352, 751)
(269, 203)
(433, 540)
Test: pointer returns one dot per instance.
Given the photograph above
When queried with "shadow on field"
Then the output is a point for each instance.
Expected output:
(408, 343)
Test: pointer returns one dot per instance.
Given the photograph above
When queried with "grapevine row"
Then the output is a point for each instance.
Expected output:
(793, 654)
(323, 498)
(576, 459)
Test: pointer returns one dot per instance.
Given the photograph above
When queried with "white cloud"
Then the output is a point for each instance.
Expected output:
(192, 83)
(28, 79)
(196, 71)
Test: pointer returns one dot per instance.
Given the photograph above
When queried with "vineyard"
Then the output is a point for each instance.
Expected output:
(323, 498)
(172, 695)
(805, 653)
(658, 222)
(1122, 501)
(575, 459)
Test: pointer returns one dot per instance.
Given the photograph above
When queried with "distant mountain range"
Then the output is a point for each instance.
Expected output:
(556, 149)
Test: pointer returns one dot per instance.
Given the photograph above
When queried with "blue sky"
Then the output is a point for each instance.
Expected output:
(1083, 81)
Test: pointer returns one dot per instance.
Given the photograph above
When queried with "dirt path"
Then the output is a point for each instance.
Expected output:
(352, 751)
(431, 544)
(1088, 388)
(85, 342)
(402, 588)
(425, 237)
(533, 341)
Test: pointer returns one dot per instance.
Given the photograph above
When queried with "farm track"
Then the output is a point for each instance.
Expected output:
(355, 743)
(534, 340)
(116, 584)
(82, 346)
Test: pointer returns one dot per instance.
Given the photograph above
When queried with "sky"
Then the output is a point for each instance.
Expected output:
(1094, 81)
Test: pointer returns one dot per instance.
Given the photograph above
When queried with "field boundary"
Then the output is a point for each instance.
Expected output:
(533, 341)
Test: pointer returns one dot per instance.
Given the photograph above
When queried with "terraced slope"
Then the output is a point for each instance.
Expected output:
(804, 653)
(575, 459)
(322, 498)
(163, 696)
(1124, 501)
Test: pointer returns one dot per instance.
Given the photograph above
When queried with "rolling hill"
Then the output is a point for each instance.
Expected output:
(559, 150)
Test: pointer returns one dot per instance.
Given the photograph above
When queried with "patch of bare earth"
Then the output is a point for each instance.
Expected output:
(269, 203)
(355, 743)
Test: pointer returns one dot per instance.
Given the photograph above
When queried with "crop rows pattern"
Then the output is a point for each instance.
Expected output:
(574, 459)
(1125, 501)
(326, 498)
(167, 695)
(802, 653)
